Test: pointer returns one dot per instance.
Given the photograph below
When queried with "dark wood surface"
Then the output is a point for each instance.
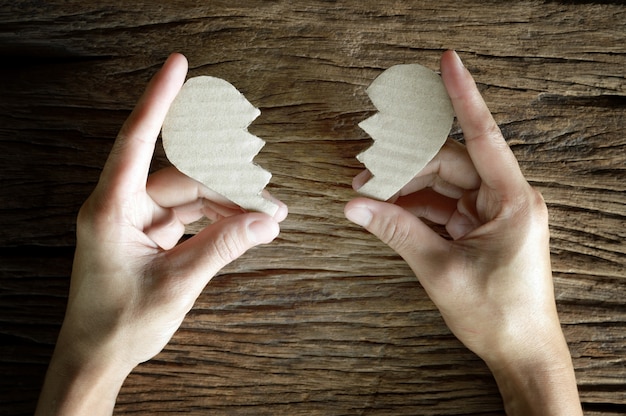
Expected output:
(326, 320)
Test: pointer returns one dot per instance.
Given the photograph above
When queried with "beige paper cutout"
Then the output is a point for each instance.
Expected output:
(414, 119)
(205, 136)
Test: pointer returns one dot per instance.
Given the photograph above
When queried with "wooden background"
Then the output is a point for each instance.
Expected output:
(326, 320)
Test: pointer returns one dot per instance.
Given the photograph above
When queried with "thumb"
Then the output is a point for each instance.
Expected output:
(406, 234)
(205, 254)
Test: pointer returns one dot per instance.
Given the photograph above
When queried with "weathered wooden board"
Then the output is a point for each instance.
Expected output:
(326, 320)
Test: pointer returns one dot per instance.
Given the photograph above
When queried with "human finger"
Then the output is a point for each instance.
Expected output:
(493, 159)
(166, 228)
(129, 162)
(450, 172)
(429, 204)
(205, 254)
(458, 215)
(465, 217)
(282, 211)
(406, 234)
(169, 187)
(360, 179)
(203, 208)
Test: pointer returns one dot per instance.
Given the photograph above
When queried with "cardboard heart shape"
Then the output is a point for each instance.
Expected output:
(205, 136)
(414, 119)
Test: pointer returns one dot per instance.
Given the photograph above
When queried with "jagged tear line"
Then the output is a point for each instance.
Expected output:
(413, 121)
(205, 135)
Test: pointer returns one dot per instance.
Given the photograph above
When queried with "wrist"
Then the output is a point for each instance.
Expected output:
(538, 380)
(80, 381)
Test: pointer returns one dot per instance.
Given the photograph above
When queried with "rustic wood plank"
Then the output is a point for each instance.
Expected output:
(326, 320)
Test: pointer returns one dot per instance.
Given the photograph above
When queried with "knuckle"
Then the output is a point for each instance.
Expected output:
(529, 208)
(538, 205)
(493, 130)
(486, 132)
(227, 247)
(91, 213)
(395, 232)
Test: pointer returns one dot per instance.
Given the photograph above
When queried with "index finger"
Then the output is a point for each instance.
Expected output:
(450, 172)
(492, 157)
(127, 167)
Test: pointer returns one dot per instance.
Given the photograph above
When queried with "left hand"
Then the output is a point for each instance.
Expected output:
(132, 283)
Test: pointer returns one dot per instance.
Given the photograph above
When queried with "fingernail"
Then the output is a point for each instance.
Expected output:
(359, 180)
(458, 59)
(359, 215)
(262, 232)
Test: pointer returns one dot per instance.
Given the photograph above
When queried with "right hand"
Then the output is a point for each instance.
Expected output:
(492, 278)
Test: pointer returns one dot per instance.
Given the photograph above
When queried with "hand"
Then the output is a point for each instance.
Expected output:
(132, 284)
(492, 278)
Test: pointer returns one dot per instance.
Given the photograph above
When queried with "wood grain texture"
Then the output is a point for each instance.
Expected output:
(326, 320)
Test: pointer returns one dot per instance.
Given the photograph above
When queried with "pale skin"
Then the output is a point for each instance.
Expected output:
(492, 280)
(133, 282)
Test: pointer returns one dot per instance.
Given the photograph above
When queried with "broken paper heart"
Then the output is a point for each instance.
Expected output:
(205, 136)
(414, 119)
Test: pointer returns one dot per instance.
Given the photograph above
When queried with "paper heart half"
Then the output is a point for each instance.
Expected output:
(205, 135)
(414, 119)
